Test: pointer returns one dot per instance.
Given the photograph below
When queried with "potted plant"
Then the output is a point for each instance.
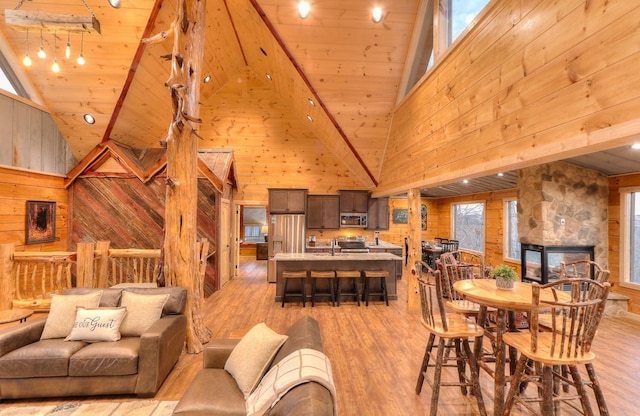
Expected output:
(505, 276)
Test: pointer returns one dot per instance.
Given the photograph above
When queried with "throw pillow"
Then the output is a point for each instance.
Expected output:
(142, 312)
(251, 357)
(63, 311)
(97, 324)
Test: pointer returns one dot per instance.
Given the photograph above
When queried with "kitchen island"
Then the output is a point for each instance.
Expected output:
(339, 261)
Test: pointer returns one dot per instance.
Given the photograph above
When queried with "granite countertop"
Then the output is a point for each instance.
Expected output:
(370, 244)
(337, 256)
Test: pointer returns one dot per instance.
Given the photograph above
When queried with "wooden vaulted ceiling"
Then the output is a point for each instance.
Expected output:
(348, 65)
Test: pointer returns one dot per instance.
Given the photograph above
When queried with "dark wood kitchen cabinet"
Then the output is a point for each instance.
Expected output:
(323, 212)
(287, 201)
(378, 214)
(354, 201)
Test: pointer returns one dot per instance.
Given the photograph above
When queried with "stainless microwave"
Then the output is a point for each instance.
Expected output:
(355, 220)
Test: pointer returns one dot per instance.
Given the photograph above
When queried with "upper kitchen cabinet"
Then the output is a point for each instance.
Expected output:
(378, 214)
(354, 201)
(323, 212)
(287, 201)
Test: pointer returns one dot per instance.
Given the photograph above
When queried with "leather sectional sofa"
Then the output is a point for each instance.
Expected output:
(214, 391)
(34, 368)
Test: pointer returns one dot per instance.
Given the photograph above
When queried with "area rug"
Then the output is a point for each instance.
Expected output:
(131, 408)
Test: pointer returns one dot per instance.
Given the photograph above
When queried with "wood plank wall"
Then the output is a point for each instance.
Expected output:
(615, 183)
(18, 186)
(30, 139)
(534, 81)
(130, 214)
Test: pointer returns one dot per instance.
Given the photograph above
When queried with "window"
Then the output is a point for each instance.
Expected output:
(252, 231)
(442, 23)
(630, 237)
(511, 242)
(8, 79)
(468, 225)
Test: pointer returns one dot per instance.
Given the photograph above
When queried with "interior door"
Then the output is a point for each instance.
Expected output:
(225, 241)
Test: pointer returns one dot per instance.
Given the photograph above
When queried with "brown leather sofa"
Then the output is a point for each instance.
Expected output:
(214, 391)
(30, 367)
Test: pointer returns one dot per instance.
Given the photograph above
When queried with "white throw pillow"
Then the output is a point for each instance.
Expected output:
(251, 357)
(97, 324)
(62, 313)
(142, 312)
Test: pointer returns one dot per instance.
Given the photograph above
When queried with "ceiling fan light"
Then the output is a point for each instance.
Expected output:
(304, 9)
(376, 14)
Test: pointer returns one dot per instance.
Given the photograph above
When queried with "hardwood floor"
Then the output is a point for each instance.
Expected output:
(376, 351)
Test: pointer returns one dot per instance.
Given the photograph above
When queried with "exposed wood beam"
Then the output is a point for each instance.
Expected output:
(35, 20)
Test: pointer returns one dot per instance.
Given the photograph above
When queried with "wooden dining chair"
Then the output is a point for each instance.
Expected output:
(448, 331)
(567, 344)
(584, 268)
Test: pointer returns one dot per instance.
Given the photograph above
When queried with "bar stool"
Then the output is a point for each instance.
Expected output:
(290, 275)
(329, 276)
(375, 274)
(348, 275)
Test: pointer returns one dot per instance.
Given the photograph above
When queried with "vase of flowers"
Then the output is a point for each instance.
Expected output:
(505, 276)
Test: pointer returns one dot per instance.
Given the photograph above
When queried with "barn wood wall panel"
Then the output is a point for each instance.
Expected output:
(19, 186)
(130, 214)
(31, 140)
(615, 183)
(534, 82)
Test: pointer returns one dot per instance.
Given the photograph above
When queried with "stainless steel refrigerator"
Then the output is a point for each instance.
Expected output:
(286, 235)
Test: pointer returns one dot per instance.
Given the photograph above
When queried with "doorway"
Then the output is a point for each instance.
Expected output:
(251, 230)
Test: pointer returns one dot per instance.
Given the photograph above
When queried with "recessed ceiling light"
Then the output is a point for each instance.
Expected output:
(635, 146)
(501, 174)
(311, 102)
(309, 118)
(304, 9)
(268, 76)
(465, 181)
(207, 79)
(376, 14)
(115, 3)
(89, 118)
(263, 52)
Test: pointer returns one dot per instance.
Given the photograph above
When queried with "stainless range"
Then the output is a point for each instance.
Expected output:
(352, 244)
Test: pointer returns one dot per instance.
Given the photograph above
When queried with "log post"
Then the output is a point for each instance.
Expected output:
(415, 249)
(181, 257)
(7, 283)
(102, 264)
(84, 265)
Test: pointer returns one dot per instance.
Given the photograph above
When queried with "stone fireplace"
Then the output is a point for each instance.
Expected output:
(562, 217)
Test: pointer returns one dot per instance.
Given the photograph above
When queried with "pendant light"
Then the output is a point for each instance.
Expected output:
(67, 51)
(41, 53)
(55, 67)
(27, 59)
(80, 59)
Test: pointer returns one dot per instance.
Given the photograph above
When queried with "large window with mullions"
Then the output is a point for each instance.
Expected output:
(630, 237)
(467, 221)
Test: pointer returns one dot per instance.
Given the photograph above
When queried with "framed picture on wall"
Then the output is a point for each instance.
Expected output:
(41, 222)
(400, 216)
(423, 217)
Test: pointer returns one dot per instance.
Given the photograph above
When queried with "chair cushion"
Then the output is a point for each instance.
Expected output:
(250, 359)
(97, 324)
(117, 358)
(63, 312)
(45, 358)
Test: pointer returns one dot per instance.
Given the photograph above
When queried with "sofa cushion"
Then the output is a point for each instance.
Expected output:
(45, 358)
(304, 333)
(142, 312)
(213, 391)
(106, 358)
(63, 312)
(97, 324)
(252, 356)
(176, 303)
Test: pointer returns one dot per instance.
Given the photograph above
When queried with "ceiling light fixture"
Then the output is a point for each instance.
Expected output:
(27, 59)
(89, 119)
(55, 67)
(115, 3)
(304, 9)
(376, 14)
(207, 79)
(500, 174)
(268, 76)
(465, 181)
(309, 118)
(635, 146)
(311, 102)
(67, 51)
(41, 53)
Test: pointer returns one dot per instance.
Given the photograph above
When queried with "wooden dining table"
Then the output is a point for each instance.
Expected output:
(506, 302)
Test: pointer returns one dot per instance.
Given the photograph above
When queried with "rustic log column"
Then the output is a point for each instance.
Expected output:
(415, 249)
(7, 284)
(84, 265)
(102, 264)
(181, 257)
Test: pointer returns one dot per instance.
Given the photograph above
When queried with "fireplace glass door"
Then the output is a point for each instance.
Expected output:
(541, 264)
